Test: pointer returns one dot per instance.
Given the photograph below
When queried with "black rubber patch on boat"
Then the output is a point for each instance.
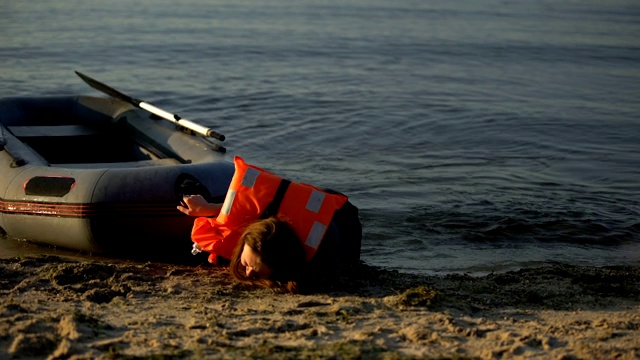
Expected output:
(49, 186)
(187, 184)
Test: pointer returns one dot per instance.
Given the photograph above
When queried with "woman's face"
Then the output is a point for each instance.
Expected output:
(252, 264)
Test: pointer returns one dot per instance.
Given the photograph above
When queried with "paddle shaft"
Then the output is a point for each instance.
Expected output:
(151, 108)
(180, 121)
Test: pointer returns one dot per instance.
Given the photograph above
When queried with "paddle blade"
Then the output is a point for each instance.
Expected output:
(107, 89)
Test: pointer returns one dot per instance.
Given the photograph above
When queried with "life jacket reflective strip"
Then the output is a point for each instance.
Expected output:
(308, 209)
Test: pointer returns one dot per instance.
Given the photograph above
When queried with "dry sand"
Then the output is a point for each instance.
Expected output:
(58, 308)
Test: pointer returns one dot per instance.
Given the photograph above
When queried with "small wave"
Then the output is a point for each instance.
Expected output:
(525, 225)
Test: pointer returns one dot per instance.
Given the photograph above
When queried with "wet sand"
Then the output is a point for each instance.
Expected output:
(59, 308)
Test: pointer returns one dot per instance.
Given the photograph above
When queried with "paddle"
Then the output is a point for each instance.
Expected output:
(17, 160)
(150, 108)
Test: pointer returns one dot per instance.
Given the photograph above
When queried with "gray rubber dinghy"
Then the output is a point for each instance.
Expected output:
(102, 175)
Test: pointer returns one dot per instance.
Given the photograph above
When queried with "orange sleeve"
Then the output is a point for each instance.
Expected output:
(213, 238)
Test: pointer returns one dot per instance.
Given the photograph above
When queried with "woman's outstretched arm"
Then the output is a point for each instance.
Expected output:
(196, 205)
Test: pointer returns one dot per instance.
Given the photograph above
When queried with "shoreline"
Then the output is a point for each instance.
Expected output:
(57, 308)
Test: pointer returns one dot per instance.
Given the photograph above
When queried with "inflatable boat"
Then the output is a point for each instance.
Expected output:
(102, 175)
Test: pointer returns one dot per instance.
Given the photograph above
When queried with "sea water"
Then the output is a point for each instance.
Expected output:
(474, 136)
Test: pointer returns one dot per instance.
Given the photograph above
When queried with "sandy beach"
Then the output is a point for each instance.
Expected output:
(57, 308)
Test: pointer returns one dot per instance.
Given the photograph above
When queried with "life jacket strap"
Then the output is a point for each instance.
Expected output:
(274, 205)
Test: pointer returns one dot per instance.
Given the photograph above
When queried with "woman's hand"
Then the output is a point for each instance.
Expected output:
(196, 205)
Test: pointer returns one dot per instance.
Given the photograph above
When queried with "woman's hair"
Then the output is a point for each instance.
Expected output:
(278, 247)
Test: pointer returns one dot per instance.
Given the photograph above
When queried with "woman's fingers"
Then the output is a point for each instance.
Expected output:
(183, 209)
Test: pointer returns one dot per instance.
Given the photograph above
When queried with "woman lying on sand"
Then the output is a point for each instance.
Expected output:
(276, 233)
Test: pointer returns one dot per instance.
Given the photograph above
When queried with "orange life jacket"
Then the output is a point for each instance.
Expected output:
(252, 189)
